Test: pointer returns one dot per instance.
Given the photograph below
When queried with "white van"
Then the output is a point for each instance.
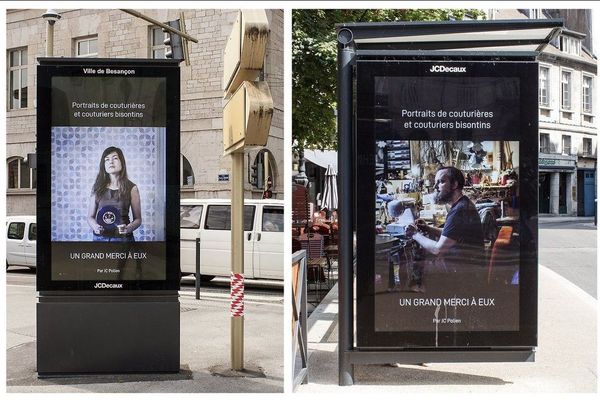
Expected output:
(21, 239)
(210, 220)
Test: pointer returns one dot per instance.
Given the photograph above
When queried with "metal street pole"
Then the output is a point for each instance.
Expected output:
(50, 16)
(237, 261)
(49, 39)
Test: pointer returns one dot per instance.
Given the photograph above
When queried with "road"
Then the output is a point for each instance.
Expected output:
(570, 249)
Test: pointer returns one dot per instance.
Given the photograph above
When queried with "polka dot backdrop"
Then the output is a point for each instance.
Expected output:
(76, 153)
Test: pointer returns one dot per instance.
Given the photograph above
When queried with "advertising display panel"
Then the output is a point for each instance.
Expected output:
(108, 162)
(446, 204)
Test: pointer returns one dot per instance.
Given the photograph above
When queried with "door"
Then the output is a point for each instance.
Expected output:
(215, 241)
(544, 194)
(30, 245)
(268, 245)
(589, 190)
(15, 248)
(562, 193)
(190, 218)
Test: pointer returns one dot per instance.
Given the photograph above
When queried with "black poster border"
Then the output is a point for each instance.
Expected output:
(50, 67)
(366, 336)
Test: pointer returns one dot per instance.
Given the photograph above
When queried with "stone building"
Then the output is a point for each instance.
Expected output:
(567, 113)
(116, 34)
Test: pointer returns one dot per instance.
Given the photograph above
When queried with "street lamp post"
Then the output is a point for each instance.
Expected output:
(51, 16)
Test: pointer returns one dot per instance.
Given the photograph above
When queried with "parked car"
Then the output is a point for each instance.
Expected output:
(21, 238)
(210, 220)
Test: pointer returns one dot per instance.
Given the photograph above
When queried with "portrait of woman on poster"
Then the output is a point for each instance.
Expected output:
(112, 195)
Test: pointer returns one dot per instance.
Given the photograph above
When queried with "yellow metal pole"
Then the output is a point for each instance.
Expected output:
(237, 254)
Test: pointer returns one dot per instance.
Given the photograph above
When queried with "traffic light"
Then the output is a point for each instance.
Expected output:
(267, 193)
(173, 42)
(249, 109)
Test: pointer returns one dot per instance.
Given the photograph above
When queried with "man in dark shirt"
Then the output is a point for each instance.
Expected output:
(460, 241)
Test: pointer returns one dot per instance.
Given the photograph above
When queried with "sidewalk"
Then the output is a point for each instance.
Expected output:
(566, 356)
(205, 327)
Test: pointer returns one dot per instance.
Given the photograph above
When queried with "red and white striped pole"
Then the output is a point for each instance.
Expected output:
(236, 308)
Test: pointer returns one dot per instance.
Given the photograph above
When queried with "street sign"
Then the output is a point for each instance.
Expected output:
(245, 50)
(247, 117)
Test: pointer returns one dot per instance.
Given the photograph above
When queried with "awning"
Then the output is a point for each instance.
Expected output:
(322, 158)
(522, 36)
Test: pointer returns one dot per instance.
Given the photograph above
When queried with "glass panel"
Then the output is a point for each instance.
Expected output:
(13, 174)
(34, 178)
(14, 89)
(14, 58)
(189, 217)
(272, 219)
(157, 36)
(82, 48)
(23, 57)
(157, 54)
(24, 175)
(33, 232)
(219, 218)
(16, 230)
(24, 88)
(93, 46)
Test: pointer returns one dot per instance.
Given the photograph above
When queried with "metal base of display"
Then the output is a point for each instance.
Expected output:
(107, 334)
(364, 357)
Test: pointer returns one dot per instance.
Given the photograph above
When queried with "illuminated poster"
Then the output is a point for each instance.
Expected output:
(450, 247)
(108, 170)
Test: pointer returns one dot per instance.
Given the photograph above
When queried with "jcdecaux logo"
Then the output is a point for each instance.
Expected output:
(444, 68)
(102, 285)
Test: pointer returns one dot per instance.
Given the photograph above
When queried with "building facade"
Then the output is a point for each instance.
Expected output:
(116, 34)
(567, 114)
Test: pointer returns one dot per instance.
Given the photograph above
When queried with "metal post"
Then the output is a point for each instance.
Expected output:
(266, 169)
(237, 253)
(198, 268)
(346, 220)
(50, 39)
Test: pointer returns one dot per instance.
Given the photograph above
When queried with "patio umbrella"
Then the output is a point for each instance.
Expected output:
(330, 196)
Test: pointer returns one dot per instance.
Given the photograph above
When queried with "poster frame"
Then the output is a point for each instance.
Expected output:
(50, 67)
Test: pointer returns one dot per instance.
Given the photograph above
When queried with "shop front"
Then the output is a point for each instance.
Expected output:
(557, 184)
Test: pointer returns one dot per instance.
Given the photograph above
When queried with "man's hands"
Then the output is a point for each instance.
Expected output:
(419, 226)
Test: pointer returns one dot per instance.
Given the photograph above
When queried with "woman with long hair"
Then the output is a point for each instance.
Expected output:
(113, 194)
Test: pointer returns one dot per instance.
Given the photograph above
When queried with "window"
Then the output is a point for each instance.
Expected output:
(189, 217)
(17, 78)
(157, 45)
(570, 45)
(545, 143)
(587, 146)
(219, 218)
(544, 86)
(272, 220)
(566, 90)
(566, 144)
(588, 89)
(20, 176)
(187, 173)
(16, 230)
(32, 231)
(86, 47)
